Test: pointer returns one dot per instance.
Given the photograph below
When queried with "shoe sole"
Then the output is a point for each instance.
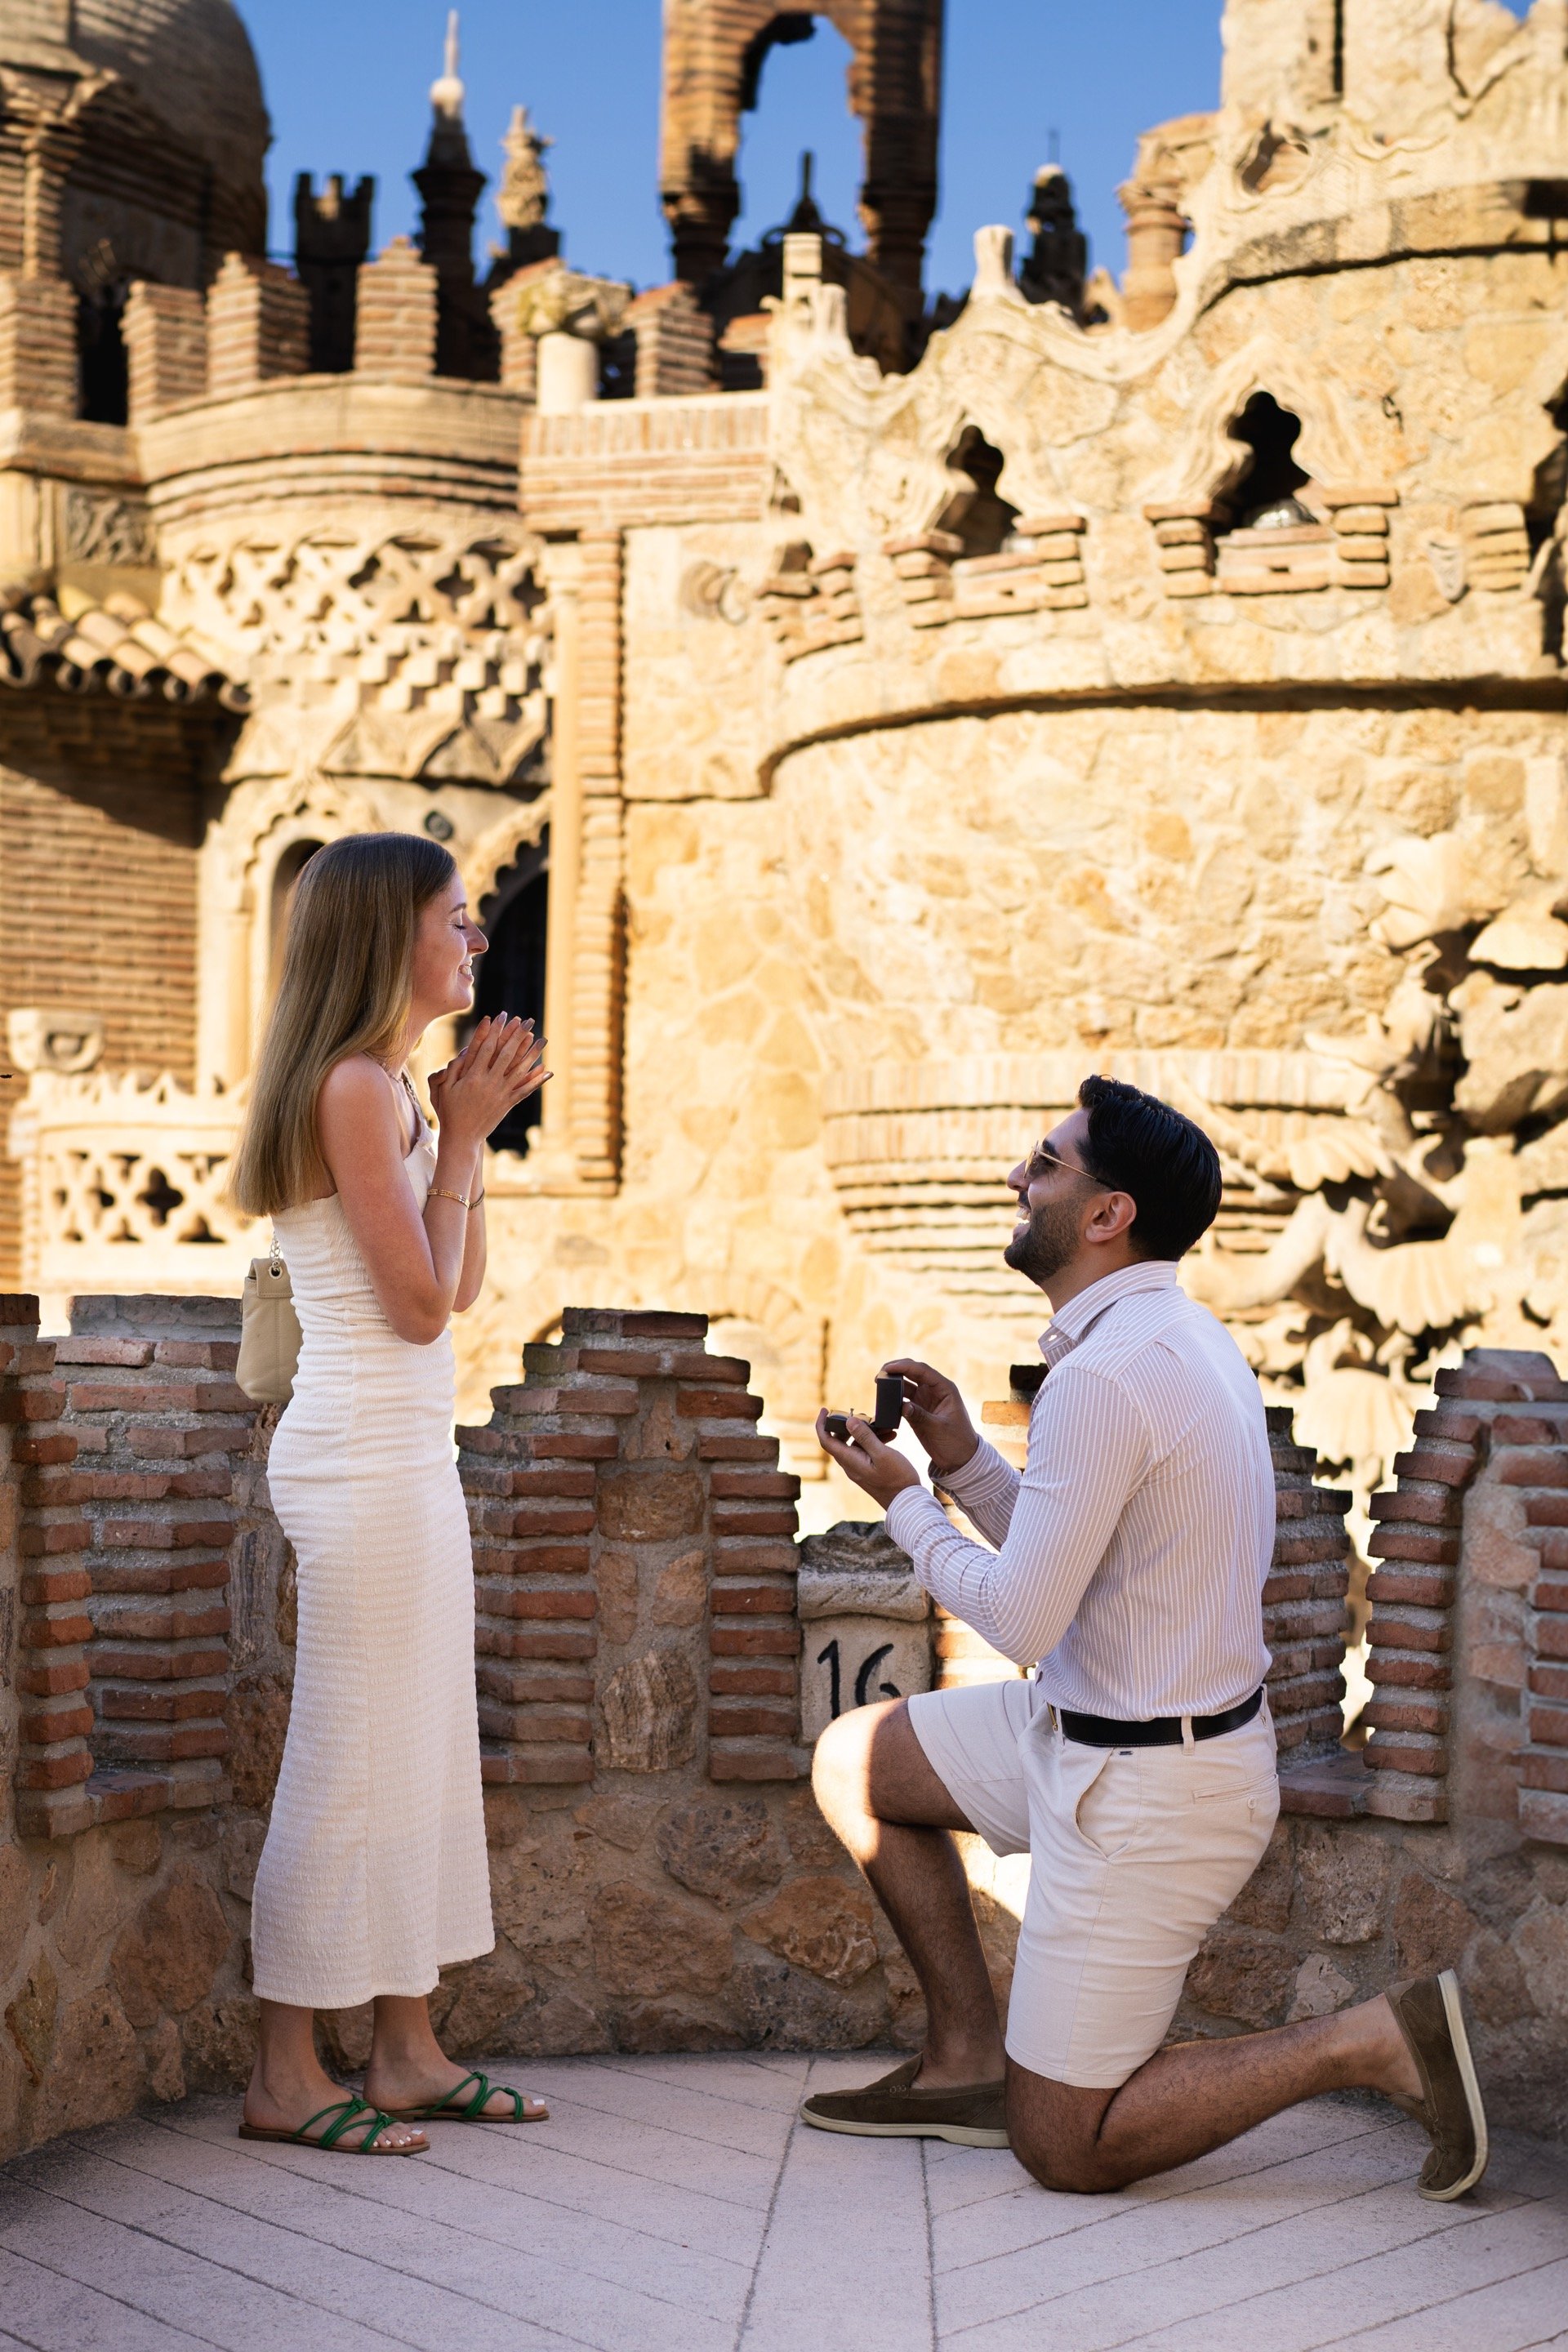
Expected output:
(957, 2134)
(1448, 1986)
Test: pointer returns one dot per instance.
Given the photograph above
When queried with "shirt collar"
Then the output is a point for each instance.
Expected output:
(1065, 1330)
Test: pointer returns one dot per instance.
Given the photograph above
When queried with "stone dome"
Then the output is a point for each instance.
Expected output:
(189, 61)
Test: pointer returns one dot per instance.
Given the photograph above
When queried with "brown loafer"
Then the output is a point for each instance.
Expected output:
(893, 2108)
(1429, 2015)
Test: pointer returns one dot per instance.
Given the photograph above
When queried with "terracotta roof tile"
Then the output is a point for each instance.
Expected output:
(117, 647)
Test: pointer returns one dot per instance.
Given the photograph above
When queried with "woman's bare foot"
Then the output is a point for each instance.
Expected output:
(395, 2086)
(288, 2106)
(408, 2068)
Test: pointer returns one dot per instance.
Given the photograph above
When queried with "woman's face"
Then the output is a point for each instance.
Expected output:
(445, 941)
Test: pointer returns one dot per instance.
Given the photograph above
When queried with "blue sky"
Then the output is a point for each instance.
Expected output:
(347, 82)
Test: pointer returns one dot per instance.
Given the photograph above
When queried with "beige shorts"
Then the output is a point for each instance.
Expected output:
(1134, 1854)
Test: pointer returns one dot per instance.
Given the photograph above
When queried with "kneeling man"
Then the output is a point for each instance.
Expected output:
(1136, 1767)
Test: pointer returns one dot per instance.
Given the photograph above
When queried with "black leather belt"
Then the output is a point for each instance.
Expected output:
(1160, 1731)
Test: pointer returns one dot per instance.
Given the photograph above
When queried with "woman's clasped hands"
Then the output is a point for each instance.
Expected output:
(497, 1068)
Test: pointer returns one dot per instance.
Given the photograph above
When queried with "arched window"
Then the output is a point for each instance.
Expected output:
(1268, 489)
(982, 519)
(285, 875)
(795, 79)
(511, 975)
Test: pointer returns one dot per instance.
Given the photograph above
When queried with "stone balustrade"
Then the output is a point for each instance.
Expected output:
(661, 1877)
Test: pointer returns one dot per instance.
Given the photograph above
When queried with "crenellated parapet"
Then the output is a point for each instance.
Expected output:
(649, 1637)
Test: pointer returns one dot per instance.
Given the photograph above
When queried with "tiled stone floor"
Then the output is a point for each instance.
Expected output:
(675, 2202)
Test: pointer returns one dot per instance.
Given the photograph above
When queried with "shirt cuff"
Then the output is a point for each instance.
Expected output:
(986, 1476)
(913, 1514)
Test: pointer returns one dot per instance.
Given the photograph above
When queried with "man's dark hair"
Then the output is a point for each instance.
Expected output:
(1137, 1144)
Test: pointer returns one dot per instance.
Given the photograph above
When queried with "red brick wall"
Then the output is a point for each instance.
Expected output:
(625, 1510)
(124, 1437)
(99, 825)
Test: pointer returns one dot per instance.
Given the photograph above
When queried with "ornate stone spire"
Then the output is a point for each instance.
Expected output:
(523, 200)
(450, 188)
(1055, 270)
(447, 96)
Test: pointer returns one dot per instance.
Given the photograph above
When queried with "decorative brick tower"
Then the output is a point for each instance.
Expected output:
(714, 58)
(449, 188)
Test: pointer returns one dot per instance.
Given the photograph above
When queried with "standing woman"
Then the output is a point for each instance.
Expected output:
(374, 1875)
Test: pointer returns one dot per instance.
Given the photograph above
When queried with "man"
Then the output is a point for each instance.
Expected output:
(1137, 1766)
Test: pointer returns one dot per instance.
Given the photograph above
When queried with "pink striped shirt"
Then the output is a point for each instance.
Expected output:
(1131, 1555)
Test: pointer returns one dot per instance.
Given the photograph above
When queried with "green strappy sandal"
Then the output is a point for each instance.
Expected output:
(349, 2113)
(445, 2110)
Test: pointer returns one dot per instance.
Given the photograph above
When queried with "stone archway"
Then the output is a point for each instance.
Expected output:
(713, 54)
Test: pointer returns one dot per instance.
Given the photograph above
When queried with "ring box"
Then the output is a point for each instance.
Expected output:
(887, 1415)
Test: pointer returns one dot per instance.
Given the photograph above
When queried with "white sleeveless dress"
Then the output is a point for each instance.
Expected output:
(374, 1874)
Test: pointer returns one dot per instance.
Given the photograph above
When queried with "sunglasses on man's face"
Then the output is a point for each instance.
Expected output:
(1042, 1158)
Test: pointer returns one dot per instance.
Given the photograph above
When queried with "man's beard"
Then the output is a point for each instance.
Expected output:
(1048, 1243)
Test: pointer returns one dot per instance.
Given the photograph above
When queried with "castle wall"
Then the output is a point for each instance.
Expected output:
(662, 1879)
(100, 829)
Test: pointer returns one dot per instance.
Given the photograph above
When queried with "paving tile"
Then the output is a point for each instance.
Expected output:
(675, 2205)
(773, 2082)
(558, 2182)
(1135, 2236)
(1506, 2320)
(665, 2153)
(55, 2314)
(218, 2306)
(354, 2271)
(844, 2268)
(597, 2245)
(694, 2110)
(1312, 2302)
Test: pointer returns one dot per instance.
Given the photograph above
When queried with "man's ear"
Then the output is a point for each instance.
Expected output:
(1114, 1213)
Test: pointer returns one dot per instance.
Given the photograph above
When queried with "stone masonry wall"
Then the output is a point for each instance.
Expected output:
(661, 1877)
(1450, 1848)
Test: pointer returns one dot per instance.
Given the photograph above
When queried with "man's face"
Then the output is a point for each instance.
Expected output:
(1055, 1198)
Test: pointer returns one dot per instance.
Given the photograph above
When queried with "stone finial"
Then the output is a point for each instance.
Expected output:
(569, 315)
(1156, 233)
(447, 91)
(523, 199)
(993, 264)
(562, 301)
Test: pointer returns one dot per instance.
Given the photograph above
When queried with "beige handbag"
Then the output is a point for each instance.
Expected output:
(269, 1331)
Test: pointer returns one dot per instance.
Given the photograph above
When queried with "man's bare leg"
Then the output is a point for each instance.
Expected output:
(1185, 2101)
(879, 1794)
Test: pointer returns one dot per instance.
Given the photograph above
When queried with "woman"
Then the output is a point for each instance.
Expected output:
(374, 1875)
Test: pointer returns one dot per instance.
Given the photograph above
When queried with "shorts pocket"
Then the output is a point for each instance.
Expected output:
(1109, 1807)
(1238, 1789)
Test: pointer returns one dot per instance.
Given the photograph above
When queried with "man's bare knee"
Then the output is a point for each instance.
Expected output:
(1053, 2129)
(841, 1768)
(870, 1765)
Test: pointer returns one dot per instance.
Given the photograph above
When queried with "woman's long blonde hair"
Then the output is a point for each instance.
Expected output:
(345, 988)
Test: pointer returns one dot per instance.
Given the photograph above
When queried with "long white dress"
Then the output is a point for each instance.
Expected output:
(374, 1875)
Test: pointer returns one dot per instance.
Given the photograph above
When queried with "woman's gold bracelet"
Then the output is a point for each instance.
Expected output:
(439, 1193)
(475, 1202)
